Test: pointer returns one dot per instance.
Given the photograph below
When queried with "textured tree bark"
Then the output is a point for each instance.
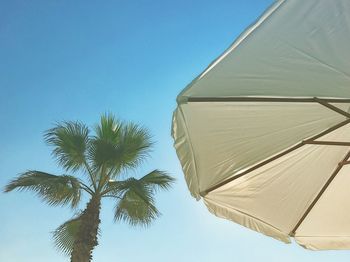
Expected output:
(87, 235)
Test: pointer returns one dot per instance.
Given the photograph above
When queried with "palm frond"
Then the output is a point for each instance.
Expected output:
(153, 181)
(55, 190)
(135, 204)
(135, 143)
(158, 180)
(64, 236)
(119, 145)
(70, 141)
(108, 129)
(103, 152)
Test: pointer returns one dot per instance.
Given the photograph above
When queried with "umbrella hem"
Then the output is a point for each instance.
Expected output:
(187, 159)
(247, 221)
(315, 243)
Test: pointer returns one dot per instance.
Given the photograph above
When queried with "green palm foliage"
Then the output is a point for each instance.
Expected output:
(65, 235)
(115, 148)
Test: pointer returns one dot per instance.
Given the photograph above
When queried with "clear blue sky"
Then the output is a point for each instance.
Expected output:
(73, 60)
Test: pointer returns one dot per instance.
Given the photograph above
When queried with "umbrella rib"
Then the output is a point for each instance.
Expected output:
(334, 108)
(327, 143)
(329, 181)
(265, 99)
(324, 101)
(263, 163)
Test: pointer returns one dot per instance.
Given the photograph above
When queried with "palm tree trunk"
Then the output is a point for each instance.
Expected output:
(87, 235)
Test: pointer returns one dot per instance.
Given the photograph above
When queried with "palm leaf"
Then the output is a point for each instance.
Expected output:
(153, 181)
(119, 145)
(158, 180)
(108, 129)
(64, 236)
(70, 141)
(135, 143)
(135, 203)
(55, 190)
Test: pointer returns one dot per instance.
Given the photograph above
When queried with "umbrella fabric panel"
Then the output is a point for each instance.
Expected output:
(215, 141)
(279, 193)
(327, 225)
(297, 49)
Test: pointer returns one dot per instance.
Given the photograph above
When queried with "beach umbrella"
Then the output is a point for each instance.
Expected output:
(263, 134)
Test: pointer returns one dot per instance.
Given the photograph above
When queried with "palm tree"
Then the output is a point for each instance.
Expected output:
(98, 162)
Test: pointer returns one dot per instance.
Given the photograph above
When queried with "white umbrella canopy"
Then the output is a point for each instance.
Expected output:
(263, 134)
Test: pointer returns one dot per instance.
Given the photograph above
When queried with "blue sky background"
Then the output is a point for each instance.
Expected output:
(74, 60)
